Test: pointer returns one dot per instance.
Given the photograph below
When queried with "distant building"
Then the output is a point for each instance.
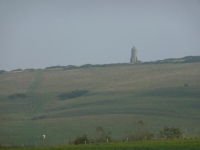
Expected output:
(133, 55)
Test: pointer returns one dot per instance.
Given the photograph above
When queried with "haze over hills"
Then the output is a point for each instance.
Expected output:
(39, 34)
(65, 101)
(64, 68)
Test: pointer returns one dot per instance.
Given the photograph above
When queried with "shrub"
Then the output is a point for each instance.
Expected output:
(72, 94)
(102, 135)
(69, 67)
(17, 70)
(142, 135)
(140, 132)
(31, 69)
(189, 59)
(2, 71)
(54, 67)
(170, 133)
(81, 140)
(17, 95)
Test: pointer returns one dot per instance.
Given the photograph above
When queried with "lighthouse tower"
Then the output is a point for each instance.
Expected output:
(133, 55)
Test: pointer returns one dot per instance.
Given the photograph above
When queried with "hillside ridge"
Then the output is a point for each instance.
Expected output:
(65, 103)
(186, 59)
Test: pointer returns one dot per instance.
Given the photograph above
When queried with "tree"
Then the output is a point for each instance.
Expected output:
(2, 71)
(102, 134)
(140, 132)
(81, 140)
(170, 133)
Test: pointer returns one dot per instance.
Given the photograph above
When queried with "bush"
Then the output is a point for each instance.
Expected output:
(81, 140)
(69, 67)
(140, 132)
(189, 59)
(142, 135)
(31, 69)
(54, 67)
(72, 94)
(103, 136)
(17, 95)
(17, 70)
(2, 71)
(170, 133)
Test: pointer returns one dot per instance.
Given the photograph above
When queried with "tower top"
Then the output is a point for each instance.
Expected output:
(134, 48)
(133, 55)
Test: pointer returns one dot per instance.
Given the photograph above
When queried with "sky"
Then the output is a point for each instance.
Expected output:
(42, 33)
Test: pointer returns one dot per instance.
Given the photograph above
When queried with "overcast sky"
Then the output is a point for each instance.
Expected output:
(42, 33)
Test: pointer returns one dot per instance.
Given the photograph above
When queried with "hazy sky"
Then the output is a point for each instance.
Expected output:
(43, 33)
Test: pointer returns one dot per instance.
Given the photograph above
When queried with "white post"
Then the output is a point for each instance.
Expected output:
(107, 140)
(127, 139)
(85, 142)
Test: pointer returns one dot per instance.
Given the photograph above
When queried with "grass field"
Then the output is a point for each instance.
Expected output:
(186, 144)
(118, 96)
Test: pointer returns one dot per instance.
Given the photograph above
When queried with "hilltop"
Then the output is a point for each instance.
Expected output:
(63, 102)
(187, 59)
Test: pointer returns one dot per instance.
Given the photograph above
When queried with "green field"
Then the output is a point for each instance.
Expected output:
(187, 144)
(118, 96)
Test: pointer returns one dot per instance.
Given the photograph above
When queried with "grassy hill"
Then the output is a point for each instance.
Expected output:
(116, 97)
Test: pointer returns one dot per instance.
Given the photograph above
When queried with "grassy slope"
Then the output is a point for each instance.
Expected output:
(118, 96)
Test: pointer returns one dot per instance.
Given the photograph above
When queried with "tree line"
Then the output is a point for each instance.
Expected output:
(140, 134)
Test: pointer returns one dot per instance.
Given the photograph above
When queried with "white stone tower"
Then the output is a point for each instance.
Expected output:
(133, 55)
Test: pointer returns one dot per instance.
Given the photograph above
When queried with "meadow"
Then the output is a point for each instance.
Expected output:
(186, 144)
(117, 97)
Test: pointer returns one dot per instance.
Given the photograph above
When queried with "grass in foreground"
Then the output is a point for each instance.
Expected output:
(182, 144)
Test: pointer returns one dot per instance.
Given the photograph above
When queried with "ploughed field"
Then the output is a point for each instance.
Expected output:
(63, 104)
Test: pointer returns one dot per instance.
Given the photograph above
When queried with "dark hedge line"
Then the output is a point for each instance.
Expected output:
(17, 95)
(73, 94)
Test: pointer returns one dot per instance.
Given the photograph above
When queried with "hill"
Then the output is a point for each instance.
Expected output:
(187, 59)
(111, 96)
